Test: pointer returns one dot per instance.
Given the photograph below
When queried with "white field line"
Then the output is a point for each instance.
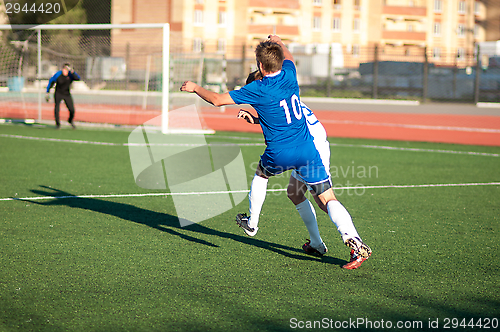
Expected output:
(245, 191)
(124, 144)
(248, 144)
(386, 124)
(395, 148)
(472, 153)
(411, 126)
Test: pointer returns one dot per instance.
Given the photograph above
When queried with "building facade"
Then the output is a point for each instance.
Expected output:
(235, 26)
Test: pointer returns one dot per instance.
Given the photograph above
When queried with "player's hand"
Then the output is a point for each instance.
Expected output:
(47, 97)
(275, 39)
(242, 114)
(188, 86)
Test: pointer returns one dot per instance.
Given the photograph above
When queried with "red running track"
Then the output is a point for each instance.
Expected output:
(442, 128)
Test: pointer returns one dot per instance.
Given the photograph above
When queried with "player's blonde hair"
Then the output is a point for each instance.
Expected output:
(270, 55)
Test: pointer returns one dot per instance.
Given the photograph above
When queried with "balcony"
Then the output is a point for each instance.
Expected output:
(288, 4)
(404, 35)
(405, 11)
(269, 28)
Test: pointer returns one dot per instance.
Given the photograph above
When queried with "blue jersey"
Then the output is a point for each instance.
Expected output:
(276, 100)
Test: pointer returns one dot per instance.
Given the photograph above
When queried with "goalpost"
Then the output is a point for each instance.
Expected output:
(124, 70)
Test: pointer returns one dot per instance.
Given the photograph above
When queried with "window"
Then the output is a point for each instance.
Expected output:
(438, 6)
(222, 17)
(357, 4)
(317, 2)
(198, 17)
(336, 24)
(461, 7)
(461, 54)
(316, 23)
(355, 50)
(461, 30)
(477, 29)
(356, 25)
(412, 3)
(477, 8)
(199, 2)
(337, 4)
(410, 27)
(221, 46)
(197, 45)
(437, 29)
(436, 52)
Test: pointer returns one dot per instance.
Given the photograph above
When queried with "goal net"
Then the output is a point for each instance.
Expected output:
(124, 70)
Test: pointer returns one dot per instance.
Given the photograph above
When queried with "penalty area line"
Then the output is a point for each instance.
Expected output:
(245, 191)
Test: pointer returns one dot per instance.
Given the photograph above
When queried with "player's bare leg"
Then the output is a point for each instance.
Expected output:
(319, 202)
(342, 219)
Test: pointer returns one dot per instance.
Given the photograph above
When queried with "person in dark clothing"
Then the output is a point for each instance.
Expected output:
(63, 79)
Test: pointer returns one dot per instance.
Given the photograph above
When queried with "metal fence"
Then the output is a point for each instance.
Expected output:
(333, 70)
(388, 73)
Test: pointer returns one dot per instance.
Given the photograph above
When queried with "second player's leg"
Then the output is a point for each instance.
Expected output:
(319, 202)
(295, 191)
(342, 219)
(339, 215)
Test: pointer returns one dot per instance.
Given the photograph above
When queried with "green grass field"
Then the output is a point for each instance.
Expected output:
(125, 264)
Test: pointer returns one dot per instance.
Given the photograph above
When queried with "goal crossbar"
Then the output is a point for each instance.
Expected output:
(165, 53)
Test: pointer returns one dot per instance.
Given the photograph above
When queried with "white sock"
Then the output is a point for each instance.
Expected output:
(308, 214)
(342, 219)
(256, 197)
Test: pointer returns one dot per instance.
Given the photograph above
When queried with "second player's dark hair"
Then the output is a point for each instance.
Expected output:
(254, 76)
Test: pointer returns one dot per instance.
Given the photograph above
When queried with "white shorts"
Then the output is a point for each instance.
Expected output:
(323, 148)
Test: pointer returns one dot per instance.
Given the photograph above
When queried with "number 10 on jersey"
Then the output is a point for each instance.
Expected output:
(297, 110)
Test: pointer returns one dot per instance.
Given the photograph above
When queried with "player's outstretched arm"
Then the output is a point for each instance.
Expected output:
(52, 81)
(286, 52)
(216, 99)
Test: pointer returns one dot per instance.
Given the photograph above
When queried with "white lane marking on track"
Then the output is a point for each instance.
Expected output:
(411, 126)
(249, 144)
(387, 124)
(246, 191)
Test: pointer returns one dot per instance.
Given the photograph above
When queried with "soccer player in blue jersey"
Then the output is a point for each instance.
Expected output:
(63, 79)
(289, 143)
(297, 187)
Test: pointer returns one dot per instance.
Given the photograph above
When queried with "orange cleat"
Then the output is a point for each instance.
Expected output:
(355, 262)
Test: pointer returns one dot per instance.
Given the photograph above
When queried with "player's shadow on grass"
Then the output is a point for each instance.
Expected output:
(166, 223)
